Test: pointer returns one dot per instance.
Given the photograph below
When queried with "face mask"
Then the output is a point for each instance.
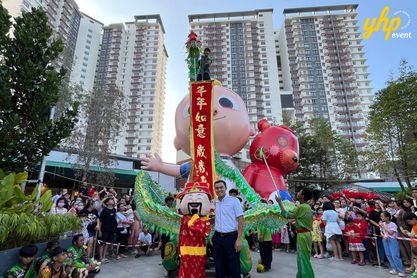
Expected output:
(80, 207)
(61, 205)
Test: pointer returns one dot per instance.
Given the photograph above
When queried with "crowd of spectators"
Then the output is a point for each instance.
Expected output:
(111, 228)
(366, 231)
(375, 232)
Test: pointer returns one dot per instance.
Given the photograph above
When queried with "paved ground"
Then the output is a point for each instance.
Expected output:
(283, 265)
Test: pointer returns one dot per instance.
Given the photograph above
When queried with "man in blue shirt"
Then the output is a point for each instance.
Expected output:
(227, 239)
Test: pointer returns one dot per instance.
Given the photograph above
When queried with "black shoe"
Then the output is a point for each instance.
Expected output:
(137, 255)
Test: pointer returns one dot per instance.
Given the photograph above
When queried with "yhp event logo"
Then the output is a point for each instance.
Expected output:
(389, 25)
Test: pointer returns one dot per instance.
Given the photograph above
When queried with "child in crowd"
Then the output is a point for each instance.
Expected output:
(353, 232)
(390, 233)
(363, 227)
(316, 234)
(276, 239)
(285, 238)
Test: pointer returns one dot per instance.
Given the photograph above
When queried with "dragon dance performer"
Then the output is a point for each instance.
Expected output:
(303, 216)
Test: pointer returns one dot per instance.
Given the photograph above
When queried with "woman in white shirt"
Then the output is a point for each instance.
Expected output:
(332, 230)
(122, 230)
(59, 208)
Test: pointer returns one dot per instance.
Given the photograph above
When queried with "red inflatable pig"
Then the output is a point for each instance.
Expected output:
(279, 146)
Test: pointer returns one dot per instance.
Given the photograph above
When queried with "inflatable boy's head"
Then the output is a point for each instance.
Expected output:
(195, 199)
(231, 122)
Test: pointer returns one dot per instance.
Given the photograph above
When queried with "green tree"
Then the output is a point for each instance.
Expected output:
(30, 85)
(102, 115)
(324, 155)
(392, 131)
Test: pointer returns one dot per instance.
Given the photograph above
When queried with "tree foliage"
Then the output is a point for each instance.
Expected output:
(324, 155)
(392, 131)
(30, 86)
(102, 115)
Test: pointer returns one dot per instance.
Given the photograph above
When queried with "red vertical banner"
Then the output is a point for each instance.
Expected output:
(202, 134)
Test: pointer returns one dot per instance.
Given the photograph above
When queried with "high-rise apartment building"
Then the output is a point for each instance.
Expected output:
(323, 64)
(133, 57)
(285, 91)
(63, 16)
(86, 52)
(16, 7)
(243, 52)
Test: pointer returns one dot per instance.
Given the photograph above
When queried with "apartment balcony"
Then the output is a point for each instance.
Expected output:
(348, 136)
(337, 88)
(358, 127)
(344, 103)
(344, 57)
(337, 73)
(133, 109)
(349, 95)
(333, 66)
(137, 76)
(130, 145)
(332, 21)
(345, 119)
(344, 128)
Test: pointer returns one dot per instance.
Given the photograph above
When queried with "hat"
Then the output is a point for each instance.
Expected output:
(195, 187)
(28, 251)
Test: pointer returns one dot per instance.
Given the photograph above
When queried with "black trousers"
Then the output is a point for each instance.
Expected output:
(122, 239)
(265, 250)
(204, 76)
(226, 259)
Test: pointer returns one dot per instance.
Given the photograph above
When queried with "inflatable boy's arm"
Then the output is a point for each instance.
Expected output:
(153, 162)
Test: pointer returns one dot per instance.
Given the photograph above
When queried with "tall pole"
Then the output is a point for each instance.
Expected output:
(43, 164)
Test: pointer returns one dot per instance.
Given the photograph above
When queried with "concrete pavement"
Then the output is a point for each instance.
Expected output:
(283, 265)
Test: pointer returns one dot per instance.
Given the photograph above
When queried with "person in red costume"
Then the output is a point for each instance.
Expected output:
(195, 204)
(279, 146)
